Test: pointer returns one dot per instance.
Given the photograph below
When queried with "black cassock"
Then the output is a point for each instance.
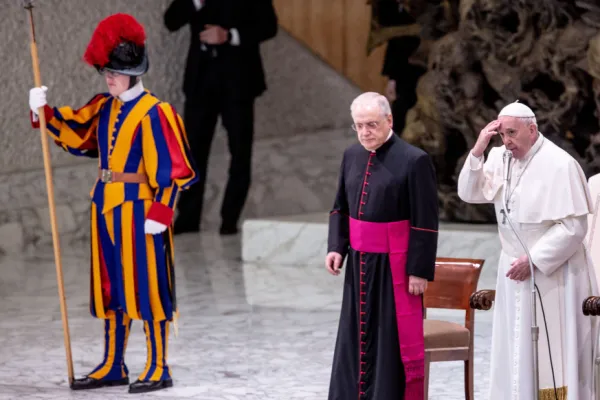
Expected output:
(396, 182)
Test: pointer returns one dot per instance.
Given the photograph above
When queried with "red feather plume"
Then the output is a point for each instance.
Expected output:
(109, 33)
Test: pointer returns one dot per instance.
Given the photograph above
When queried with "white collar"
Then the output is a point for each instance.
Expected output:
(388, 138)
(132, 93)
(389, 135)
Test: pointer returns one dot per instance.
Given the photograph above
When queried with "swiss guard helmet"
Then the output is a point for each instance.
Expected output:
(118, 45)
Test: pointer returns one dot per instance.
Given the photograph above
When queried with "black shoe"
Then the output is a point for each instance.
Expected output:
(91, 383)
(228, 230)
(150, 386)
(181, 226)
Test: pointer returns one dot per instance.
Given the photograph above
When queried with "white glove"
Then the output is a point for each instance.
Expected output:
(152, 227)
(37, 98)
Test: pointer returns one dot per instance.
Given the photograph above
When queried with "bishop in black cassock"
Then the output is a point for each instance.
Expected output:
(385, 220)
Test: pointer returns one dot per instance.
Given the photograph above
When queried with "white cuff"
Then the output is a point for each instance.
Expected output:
(198, 4)
(34, 117)
(152, 227)
(235, 37)
(474, 162)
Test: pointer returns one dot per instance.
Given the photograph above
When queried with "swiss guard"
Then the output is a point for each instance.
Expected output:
(143, 163)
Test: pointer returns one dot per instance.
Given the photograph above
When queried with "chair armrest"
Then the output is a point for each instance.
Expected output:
(482, 299)
(591, 306)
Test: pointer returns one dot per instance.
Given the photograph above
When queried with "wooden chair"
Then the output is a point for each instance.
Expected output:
(455, 280)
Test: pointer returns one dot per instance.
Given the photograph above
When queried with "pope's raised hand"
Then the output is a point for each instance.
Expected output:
(484, 138)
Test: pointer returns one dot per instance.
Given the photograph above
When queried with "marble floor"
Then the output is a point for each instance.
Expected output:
(246, 331)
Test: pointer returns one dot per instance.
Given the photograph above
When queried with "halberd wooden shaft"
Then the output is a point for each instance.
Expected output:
(50, 190)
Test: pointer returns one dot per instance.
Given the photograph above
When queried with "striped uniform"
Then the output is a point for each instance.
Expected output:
(132, 273)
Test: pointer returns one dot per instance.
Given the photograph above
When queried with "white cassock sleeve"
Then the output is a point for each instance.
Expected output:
(559, 244)
(476, 180)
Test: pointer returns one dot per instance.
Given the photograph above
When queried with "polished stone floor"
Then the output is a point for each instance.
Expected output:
(246, 331)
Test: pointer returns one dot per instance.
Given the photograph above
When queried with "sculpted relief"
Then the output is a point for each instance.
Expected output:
(481, 55)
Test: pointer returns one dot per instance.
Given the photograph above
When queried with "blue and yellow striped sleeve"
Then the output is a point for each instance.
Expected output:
(74, 130)
(167, 160)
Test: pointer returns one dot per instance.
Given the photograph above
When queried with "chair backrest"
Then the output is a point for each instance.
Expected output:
(455, 280)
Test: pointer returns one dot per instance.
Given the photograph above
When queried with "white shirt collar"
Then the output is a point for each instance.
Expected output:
(132, 93)
(388, 138)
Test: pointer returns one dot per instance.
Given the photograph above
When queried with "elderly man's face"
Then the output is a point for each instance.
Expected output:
(517, 135)
(371, 125)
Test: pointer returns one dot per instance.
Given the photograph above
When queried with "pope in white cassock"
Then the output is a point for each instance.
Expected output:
(548, 203)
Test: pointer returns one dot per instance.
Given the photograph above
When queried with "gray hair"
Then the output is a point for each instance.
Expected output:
(371, 98)
(529, 121)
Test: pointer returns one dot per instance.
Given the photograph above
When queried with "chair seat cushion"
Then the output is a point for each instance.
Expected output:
(441, 334)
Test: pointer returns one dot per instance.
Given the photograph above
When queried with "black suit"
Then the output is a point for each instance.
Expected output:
(222, 80)
(396, 65)
(406, 75)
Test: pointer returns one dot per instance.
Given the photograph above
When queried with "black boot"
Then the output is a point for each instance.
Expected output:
(91, 383)
(149, 386)
(182, 225)
(112, 371)
(157, 334)
(228, 229)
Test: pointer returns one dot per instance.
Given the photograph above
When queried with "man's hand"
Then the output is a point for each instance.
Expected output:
(484, 138)
(213, 34)
(333, 263)
(390, 90)
(520, 269)
(416, 285)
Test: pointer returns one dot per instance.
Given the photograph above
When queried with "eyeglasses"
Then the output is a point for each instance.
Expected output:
(110, 74)
(369, 125)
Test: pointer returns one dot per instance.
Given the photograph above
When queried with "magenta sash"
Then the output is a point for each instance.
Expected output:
(392, 238)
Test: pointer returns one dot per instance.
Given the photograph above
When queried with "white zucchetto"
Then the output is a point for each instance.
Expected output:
(517, 110)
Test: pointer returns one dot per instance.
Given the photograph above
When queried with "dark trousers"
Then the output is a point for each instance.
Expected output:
(406, 96)
(405, 100)
(200, 117)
